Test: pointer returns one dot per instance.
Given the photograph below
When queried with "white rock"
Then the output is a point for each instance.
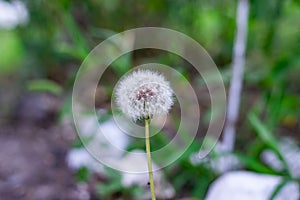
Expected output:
(109, 139)
(105, 137)
(242, 185)
(12, 14)
(114, 135)
(79, 157)
(291, 153)
(220, 160)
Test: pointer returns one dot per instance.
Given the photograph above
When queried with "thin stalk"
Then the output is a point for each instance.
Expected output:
(149, 159)
(236, 82)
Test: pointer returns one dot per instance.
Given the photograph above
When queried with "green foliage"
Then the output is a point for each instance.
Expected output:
(263, 133)
(44, 86)
(114, 188)
(11, 51)
(82, 174)
(114, 185)
(253, 164)
(122, 64)
(188, 178)
(266, 136)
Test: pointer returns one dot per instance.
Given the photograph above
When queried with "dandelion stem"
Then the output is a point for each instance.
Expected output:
(149, 159)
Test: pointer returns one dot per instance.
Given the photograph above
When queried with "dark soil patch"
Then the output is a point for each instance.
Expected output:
(32, 163)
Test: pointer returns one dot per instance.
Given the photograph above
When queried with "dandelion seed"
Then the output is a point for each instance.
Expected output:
(144, 94)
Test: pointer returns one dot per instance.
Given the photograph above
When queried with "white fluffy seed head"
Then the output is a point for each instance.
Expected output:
(144, 94)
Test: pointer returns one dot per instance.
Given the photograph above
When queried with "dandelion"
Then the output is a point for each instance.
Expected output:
(144, 94)
(141, 96)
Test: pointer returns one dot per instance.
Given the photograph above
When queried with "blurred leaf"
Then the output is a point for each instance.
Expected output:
(278, 188)
(105, 189)
(274, 105)
(113, 174)
(11, 51)
(266, 136)
(44, 85)
(66, 108)
(80, 46)
(102, 33)
(122, 64)
(253, 164)
(70, 50)
(83, 174)
(263, 132)
(114, 186)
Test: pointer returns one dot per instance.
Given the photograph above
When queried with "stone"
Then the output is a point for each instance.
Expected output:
(245, 185)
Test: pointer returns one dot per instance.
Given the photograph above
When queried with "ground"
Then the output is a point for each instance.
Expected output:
(33, 163)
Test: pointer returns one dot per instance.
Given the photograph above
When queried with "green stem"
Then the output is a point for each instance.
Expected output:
(149, 159)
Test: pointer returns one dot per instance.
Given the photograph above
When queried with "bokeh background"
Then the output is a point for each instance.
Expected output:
(42, 44)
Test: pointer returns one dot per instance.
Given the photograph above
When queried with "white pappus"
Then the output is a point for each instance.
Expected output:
(144, 94)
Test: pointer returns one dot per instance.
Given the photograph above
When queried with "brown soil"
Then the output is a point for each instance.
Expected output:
(32, 163)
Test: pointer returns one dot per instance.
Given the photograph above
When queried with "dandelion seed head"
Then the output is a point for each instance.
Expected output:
(143, 94)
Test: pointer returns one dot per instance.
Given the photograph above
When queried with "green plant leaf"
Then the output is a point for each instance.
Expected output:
(278, 188)
(263, 132)
(253, 164)
(82, 174)
(44, 85)
(266, 136)
(11, 51)
(108, 189)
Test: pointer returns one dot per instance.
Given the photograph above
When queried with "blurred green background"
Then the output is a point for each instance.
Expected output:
(43, 55)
